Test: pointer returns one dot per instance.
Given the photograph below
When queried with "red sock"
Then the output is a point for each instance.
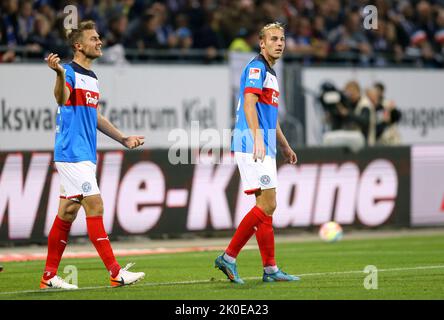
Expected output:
(265, 240)
(245, 231)
(99, 238)
(57, 240)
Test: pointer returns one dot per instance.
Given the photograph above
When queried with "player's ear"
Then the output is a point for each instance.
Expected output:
(78, 46)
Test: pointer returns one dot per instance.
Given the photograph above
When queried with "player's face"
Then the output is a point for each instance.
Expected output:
(91, 45)
(274, 43)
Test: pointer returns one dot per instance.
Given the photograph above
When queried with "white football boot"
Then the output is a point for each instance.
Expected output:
(56, 283)
(126, 277)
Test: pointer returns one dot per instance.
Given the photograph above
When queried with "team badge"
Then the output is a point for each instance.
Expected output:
(265, 180)
(255, 73)
(86, 187)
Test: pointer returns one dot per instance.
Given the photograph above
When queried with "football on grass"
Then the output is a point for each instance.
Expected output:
(330, 232)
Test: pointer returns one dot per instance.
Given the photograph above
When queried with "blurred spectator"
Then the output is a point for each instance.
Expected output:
(403, 18)
(351, 38)
(89, 11)
(10, 22)
(331, 11)
(25, 21)
(272, 10)
(439, 37)
(7, 55)
(117, 26)
(195, 13)
(46, 10)
(385, 44)
(424, 18)
(245, 42)
(210, 36)
(41, 41)
(420, 50)
(184, 36)
(145, 36)
(387, 117)
(234, 16)
(114, 51)
(303, 40)
(164, 32)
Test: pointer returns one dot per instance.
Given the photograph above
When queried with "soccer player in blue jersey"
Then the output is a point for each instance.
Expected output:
(77, 94)
(254, 145)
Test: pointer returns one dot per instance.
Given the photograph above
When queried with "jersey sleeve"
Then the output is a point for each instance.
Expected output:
(254, 78)
(69, 77)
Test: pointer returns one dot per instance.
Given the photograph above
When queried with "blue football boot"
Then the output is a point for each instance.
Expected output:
(229, 269)
(279, 276)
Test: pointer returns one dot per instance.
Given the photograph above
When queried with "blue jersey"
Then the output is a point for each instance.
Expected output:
(258, 78)
(76, 123)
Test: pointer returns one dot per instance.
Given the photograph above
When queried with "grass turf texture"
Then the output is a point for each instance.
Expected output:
(328, 271)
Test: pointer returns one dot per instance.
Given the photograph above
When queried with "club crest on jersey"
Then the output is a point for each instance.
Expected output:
(265, 180)
(254, 73)
(86, 187)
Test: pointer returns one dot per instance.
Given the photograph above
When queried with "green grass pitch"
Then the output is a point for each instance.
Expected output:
(409, 267)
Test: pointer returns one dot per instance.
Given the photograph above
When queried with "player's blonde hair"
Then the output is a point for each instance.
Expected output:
(73, 35)
(273, 25)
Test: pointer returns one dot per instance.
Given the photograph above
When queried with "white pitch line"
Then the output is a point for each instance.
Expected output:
(154, 284)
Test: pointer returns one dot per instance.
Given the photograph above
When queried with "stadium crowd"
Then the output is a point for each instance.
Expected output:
(318, 30)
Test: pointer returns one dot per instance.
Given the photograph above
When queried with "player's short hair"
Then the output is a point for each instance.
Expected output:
(273, 25)
(73, 35)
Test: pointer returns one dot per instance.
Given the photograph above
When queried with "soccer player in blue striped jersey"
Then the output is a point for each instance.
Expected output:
(254, 146)
(77, 94)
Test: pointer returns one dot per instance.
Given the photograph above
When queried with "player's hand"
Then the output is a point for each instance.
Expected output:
(289, 155)
(53, 62)
(259, 149)
(132, 142)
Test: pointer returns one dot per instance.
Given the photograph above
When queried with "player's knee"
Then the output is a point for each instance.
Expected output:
(93, 206)
(69, 215)
(97, 209)
(269, 208)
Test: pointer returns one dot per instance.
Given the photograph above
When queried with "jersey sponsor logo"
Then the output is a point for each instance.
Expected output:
(274, 98)
(91, 100)
(81, 97)
(270, 97)
(254, 73)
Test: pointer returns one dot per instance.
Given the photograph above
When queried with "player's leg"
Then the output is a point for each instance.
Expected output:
(247, 227)
(57, 241)
(266, 201)
(93, 206)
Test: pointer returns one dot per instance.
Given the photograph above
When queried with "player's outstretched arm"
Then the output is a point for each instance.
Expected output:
(61, 91)
(288, 153)
(107, 128)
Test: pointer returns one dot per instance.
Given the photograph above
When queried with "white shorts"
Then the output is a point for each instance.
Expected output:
(256, 175)
(77, 179)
